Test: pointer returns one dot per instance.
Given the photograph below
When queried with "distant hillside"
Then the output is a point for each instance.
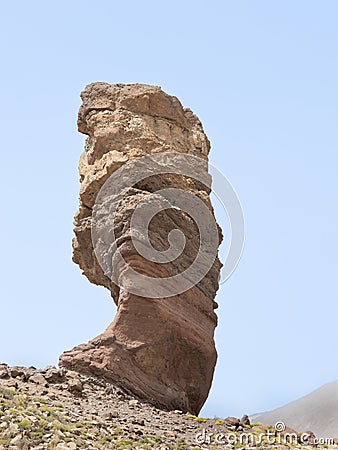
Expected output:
(317, 411)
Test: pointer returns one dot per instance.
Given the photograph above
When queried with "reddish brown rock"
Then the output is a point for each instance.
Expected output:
(245, 420)
(232, 422)
(160, 345)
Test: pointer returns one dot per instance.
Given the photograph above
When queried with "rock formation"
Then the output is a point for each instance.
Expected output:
(145, 230)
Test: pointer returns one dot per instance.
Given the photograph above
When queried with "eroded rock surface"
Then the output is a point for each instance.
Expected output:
(160, 345)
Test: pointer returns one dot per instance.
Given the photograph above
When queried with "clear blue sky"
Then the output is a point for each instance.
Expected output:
(262, 76)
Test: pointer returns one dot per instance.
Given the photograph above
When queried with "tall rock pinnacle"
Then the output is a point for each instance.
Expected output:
(146, 231)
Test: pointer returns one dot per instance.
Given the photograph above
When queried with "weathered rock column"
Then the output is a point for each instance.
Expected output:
(144, 176)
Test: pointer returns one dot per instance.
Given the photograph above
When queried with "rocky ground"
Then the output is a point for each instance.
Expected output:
(59, 409)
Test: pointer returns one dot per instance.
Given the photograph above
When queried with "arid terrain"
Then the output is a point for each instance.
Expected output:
(59, 409)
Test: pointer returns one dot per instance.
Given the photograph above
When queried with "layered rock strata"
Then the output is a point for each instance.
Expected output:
(160, 345)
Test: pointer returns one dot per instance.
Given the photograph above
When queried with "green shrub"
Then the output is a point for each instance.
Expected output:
(25, 424)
